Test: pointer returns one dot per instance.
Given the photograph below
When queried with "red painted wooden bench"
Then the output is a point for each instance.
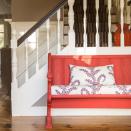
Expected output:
(59, 74)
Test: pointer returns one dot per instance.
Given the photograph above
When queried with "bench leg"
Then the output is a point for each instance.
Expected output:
(48, 122)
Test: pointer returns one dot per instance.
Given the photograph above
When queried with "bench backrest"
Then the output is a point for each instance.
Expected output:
(58, 66)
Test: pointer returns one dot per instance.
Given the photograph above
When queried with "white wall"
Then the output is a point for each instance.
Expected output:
(24, 97)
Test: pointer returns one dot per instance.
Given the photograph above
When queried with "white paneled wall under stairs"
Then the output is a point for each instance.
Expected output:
(56, 35)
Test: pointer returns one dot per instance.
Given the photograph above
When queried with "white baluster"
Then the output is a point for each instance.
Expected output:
(85, 35)
(109, 24)
(14, 83)
(26, 59)
(48, 35)
(26, 56)
(71, 24)
(37, 51)
(122, 23)
(97, 23)
(58, 31)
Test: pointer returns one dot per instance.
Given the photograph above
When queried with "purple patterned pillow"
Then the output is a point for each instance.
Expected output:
(99, 75)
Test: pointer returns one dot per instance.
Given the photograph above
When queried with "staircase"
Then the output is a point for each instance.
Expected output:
(71, 27)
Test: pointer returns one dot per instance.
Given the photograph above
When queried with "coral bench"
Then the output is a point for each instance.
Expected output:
(59, 74)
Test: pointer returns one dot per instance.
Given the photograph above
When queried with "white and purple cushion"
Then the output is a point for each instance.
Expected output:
(83, 90)
(100, 75)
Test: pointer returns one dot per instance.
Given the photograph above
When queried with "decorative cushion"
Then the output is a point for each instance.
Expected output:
(88, 90)
(100, 75)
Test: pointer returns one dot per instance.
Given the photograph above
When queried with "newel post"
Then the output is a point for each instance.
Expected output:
(71, 24)
(14, 59)
(58, 31)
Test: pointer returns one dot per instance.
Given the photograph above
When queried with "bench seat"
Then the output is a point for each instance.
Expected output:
(86, 90)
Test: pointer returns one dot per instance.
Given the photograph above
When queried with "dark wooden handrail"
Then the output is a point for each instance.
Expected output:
(40, 22)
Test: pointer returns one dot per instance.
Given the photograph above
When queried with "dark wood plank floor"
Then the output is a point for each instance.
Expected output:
(67, 124)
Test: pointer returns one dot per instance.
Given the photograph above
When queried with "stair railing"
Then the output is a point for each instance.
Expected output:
(29, 52)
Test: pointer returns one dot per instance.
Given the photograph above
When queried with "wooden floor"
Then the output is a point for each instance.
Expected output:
(5, 104)
(67, 124)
